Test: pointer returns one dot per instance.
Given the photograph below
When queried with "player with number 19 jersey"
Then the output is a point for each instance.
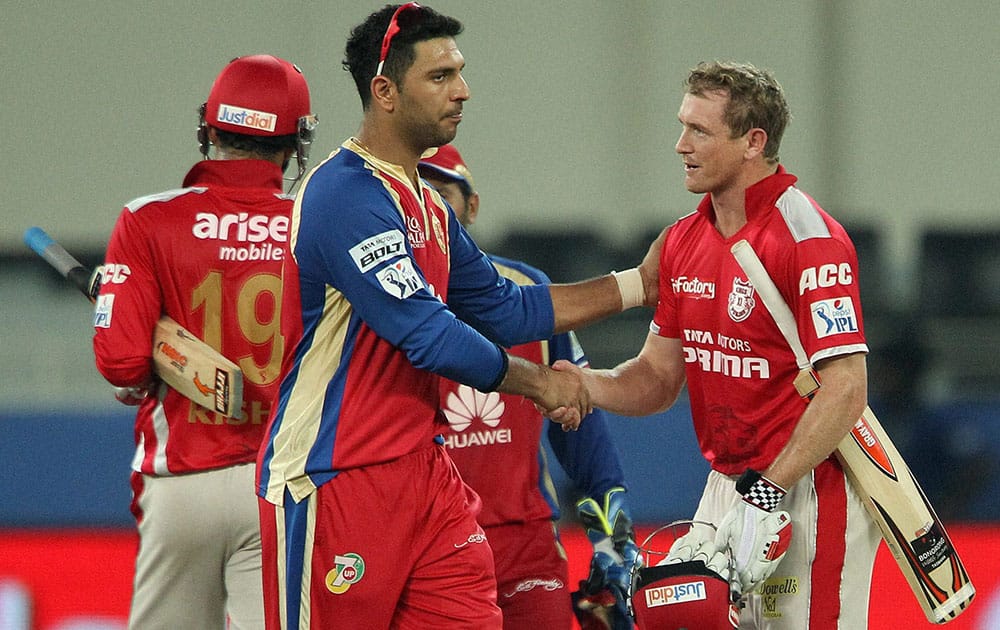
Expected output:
(728, 336)
(208, 255)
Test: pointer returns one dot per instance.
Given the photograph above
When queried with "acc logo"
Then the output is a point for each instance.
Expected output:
(400, 279)
(374, 250)
(825, 276)
(113, 273)
(834, 317)
(348, 569)
(741, 300)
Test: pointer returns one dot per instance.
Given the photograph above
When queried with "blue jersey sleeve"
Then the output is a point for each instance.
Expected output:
(503, 311)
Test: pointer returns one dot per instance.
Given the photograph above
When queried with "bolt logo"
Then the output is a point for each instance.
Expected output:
(243, 117)
(348, 569)
(675, 594)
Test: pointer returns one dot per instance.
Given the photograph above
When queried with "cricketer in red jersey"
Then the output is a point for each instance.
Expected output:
(768, 449)
(365, 520)
(493, 431)
(208, 255)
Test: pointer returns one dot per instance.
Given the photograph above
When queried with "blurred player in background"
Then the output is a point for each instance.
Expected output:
(365, 520)
(768, 449)
(502, 432)
(208, 255)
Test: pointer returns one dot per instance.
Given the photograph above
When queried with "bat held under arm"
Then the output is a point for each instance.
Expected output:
(189, 365)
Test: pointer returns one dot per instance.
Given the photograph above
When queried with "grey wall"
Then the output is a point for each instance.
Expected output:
(573, 112)
(571, 125)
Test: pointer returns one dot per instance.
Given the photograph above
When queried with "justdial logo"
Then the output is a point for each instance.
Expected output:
(244, 117)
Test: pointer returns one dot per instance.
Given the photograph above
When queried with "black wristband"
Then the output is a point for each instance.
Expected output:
(759, 491)
(503, 370)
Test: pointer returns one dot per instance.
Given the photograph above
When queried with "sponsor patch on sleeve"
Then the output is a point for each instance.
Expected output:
(371, 251)
(400, 279)
(102, 310)
(835, 316)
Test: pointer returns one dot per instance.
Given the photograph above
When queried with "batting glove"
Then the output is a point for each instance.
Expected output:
(616, 556)
(697, 544)
(130, 396)
(757, 534)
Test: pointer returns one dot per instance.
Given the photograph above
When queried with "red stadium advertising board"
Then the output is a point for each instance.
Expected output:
(60, 579)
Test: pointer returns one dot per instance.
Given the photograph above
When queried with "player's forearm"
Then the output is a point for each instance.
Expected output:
(631, 389)
(581, 303)
(834, 409)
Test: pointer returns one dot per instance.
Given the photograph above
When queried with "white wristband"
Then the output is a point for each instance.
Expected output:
(630, 285)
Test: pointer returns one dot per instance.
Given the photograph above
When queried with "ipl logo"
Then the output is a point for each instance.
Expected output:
(347, 569)
(741, 300)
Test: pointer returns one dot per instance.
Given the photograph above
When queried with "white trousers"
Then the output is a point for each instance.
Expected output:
(824, 580)
(199, 559)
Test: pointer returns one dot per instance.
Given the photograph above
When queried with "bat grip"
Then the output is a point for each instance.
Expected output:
(81, 279)
(61, 260)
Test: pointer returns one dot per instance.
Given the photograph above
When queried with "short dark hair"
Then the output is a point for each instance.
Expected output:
(265, 146)
(365, 43)
(756, 100)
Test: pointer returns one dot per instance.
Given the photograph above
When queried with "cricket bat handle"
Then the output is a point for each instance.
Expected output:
(87, 281)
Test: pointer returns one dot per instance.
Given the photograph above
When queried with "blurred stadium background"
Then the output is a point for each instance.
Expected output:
(570, 135)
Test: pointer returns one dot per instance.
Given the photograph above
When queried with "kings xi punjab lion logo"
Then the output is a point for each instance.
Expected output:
(741, 300)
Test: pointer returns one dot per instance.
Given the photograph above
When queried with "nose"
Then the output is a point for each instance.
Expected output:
(462, 92)
(682, 145)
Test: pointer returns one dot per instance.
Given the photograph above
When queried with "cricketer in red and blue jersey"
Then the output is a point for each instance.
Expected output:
(496, 441)
(364, 508)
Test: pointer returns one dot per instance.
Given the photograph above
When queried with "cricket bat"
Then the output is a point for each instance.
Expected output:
(196, 370)
(911, 529)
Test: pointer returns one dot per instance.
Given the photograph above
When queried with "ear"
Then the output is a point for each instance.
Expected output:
(470, 216)
(383, 93)
(756, 141)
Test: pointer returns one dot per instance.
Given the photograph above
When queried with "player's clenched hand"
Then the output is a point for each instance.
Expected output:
(564, 414)
(649, 269)
(755, 530)
(565, 399)
(559, 395)
(131, 396)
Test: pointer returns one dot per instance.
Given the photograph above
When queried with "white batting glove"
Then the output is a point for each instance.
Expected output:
(697, 544)
(757, 533)
(130, 396)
